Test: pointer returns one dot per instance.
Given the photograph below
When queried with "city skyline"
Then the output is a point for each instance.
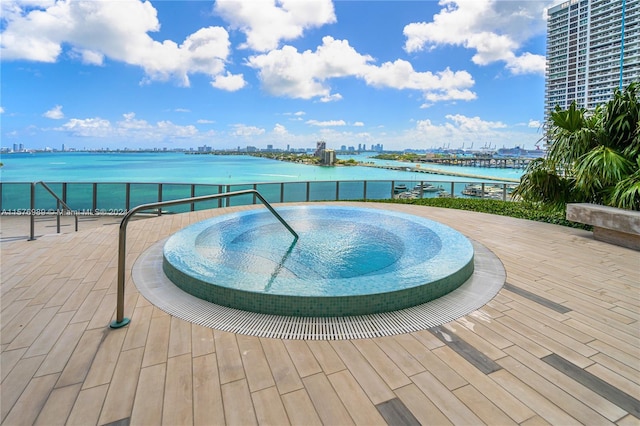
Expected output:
(406, 75)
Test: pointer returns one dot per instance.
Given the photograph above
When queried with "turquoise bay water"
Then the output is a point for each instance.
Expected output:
(97, 181)
(210, 169)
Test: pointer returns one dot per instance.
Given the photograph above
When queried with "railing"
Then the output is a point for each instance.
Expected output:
(120, 320)
(32, 209)
(112, 198)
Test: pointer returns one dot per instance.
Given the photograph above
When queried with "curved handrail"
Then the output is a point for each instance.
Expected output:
(33, 208)
(120, 320)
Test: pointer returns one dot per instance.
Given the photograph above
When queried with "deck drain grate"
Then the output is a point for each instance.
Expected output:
(487, 279)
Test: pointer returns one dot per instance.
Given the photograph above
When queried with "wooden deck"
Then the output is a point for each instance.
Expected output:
(559, 344)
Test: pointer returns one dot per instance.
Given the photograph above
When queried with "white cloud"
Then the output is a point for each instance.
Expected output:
(203, 121)
(266, 22)
(229, 82)
(54, 113)
(459, 129)
(128, 128)
(329, 123)
(118, 30)
(534, 124)
(495, 29)
(280, 130)
(1, 110)
(88, 127)
(474, 124)
(358, 124)
(289, 73)
(243, 130)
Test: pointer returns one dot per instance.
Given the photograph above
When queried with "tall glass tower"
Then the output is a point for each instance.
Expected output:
(593, 47)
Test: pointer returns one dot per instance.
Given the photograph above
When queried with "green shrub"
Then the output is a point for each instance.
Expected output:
(520, 210)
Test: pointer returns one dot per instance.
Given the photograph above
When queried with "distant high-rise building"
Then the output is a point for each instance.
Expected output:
(593, 47)
(320, 147)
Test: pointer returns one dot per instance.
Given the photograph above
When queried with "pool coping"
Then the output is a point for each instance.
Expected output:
(488, 278)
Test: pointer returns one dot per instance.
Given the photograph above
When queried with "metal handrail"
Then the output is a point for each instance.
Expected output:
(120, 320)
(33, 209)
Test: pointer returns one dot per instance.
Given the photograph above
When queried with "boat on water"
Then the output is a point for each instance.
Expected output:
(427, 187)
(399, 188)
(488, 191)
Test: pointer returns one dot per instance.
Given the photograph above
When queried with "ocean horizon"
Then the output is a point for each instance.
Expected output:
(176, 167)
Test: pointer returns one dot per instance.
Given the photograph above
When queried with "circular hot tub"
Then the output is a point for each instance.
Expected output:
(347, 261)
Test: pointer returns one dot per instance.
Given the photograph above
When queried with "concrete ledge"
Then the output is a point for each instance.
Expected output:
(616, 226)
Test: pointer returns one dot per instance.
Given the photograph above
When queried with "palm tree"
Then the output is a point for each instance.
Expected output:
(594, 156)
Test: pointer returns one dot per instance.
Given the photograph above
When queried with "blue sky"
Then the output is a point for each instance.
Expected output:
(180, 74)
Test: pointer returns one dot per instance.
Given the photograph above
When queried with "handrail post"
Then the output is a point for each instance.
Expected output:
(120, 320)
(57, 216)
(32, 219)
(59, 201)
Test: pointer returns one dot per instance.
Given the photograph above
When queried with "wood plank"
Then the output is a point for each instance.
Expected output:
(122, 389)
(269, 408)
(228, 356)
(300, 409)
(86, 410)
(32, 330)
(512, 320)
(399, 355)
(446, 375)
(178, 396)
(64, 292)
(179, 337)
(207, 394)
(326, 356)
(628, 357)
(238, 406)
(384, 366)
(421, 407)
(536, 298)
(255, 363)
(8, 360)
(630, 373)
(202, 342)
(625, 390)
(427, 339)
(532, 399)
(17, 381)
(452, 407)
(325, 400)
(31, 401)
(564, 338)
(106, 358)
(16, 322)
(483, 331)
(47, 339)
(503, 399)
(81, 358)
(58, 356)
(565, 400)
(355, 400)
(374, 386)
(482, 406)
(281, 366)
(302, 357)
(89, 306)
(479, 359)
(58, 406)
(157, 346)
(138, 328)
(395, 412)
(568, 384)
(147, 405)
